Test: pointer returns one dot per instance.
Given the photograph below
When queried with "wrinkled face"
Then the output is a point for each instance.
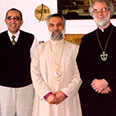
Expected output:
(13, 21)
(56, 28)
(101, 14)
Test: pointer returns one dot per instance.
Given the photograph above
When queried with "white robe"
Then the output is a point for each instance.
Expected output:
(44, 80)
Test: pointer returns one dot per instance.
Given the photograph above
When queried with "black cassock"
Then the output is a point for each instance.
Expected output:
(91, 66)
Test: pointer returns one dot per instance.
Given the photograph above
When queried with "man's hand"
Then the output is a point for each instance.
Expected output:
(60, 96)
(99, 85)
(52, 99)
(106, 90)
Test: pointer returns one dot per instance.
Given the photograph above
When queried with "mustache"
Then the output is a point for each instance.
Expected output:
(56, 31)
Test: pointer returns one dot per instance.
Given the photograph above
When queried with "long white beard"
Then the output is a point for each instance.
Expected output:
(58, 36)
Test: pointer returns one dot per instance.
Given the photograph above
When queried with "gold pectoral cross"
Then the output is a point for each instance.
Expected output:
(58, 73)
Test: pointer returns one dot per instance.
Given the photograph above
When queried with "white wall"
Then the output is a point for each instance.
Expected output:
(39, 29)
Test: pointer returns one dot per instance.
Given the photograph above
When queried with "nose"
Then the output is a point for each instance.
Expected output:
(100, 12)
(12, 20)
(55, 27)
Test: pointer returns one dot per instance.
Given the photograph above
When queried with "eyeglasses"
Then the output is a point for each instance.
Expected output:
(15, 18)
(103, 10)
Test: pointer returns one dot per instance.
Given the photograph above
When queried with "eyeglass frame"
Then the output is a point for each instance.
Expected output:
(103, 10)
(17, 18)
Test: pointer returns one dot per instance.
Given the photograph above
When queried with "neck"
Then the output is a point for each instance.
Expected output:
(56, 39)
(104, 27)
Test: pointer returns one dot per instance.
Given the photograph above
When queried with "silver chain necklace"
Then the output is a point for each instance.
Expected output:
(104, 55)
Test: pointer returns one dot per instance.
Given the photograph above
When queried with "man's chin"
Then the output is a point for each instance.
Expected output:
(13, 31)
(57, 39)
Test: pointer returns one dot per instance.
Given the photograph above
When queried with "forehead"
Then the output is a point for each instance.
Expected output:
(55, 20)
(99, 5)
(13, 13)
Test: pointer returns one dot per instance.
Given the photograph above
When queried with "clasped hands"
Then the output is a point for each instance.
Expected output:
(100, 86)
(56, 97)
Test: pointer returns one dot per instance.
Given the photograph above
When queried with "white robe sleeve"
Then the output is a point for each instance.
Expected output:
(40, 86)
(72, 88)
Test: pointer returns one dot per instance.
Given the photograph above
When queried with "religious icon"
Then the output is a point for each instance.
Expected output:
(77, 9)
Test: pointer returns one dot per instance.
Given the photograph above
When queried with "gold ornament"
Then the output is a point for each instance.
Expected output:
(41, 12)
(58, 73)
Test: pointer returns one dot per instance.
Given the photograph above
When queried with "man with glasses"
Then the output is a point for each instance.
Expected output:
(16, 90)
(97, 63)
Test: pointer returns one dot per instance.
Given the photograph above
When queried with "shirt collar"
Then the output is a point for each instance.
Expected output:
(106, 29)
(59, 42)
(16, 35)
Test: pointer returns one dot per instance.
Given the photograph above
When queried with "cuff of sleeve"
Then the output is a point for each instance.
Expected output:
(47, 95)
(65, 95)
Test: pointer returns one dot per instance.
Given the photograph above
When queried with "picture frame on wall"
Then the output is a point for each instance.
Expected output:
(77, 9)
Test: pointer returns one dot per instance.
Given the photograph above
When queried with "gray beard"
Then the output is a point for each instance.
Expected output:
(57, 37)
(102, 23)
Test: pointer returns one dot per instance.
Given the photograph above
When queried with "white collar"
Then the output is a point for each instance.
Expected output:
(59, 42)
(16, 35)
